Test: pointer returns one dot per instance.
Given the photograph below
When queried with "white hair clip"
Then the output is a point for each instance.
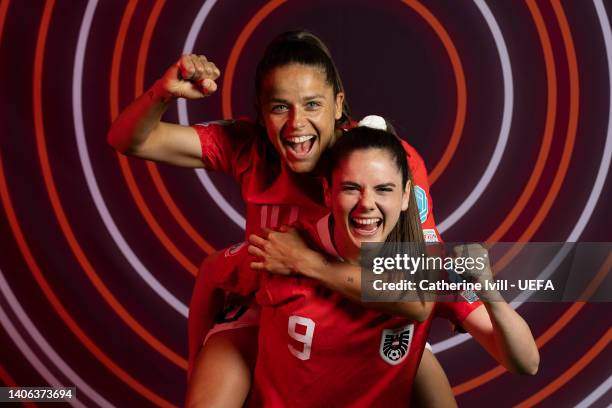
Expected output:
(374, 122)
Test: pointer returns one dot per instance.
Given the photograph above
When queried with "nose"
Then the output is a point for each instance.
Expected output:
(296, 119)
(366, 200)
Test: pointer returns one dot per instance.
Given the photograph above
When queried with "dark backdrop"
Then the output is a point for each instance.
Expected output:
(508, 102)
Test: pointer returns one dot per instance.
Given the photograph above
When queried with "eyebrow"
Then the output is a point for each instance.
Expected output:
(353, 184)
(310, 98)
(305, 99)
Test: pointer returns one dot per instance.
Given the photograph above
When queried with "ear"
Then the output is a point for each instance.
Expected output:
(327, 193)
(339, 103)
(406, 196)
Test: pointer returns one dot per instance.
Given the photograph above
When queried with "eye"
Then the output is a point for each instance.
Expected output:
(350, 188)
(311, 105)
(385, 189)
(279, 108)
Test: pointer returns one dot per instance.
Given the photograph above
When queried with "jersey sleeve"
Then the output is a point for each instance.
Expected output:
(456, 312)
(227, 145)
(233, 272)
(421, 192)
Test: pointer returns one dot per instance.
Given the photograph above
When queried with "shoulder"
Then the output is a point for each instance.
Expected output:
(230, 145)
(235, 128)
(411, 153)
(316, 233)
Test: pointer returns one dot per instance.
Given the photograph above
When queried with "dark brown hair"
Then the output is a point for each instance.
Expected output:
(301, 47)
(407, 235)
(408, 227)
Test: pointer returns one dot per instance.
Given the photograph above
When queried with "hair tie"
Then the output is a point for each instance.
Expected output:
(374, 122)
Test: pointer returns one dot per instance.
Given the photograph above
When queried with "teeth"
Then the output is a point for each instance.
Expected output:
(366, 221)
(299, 139)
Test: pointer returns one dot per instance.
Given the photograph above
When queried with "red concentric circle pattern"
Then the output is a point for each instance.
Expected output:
(508, 102)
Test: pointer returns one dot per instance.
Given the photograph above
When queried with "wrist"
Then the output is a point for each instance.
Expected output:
(311, 264)
(488, 295)
(159, 92)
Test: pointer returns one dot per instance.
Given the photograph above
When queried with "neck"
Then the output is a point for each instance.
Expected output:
(337, 134)
(309, 183)
(346, 250)
(303, 179)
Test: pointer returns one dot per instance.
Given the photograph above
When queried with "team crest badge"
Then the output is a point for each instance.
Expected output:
(395, 343)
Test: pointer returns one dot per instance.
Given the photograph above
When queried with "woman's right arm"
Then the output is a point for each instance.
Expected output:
(138, 131)
(286, 253)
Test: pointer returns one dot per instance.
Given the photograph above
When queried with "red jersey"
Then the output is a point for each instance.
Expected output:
(317, 348)
(274, 195)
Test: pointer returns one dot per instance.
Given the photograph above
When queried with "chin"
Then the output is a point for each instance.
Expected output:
(301, 167)
(367, 241)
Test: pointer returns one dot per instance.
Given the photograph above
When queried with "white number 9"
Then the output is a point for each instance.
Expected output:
(302, 338)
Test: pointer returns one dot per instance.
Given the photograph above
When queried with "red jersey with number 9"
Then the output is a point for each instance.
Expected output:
(317, 348)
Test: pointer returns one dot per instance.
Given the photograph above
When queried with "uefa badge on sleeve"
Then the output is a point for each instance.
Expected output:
(422, 203)
(395, 343)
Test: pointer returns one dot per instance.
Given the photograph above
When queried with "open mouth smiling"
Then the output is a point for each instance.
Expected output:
(365, 226)
(299, 146)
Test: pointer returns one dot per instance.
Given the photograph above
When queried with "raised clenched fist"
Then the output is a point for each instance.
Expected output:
(191, 77)
(475, 262)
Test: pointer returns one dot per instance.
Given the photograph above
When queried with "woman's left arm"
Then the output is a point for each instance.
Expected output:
(497, 326)
(505, 335)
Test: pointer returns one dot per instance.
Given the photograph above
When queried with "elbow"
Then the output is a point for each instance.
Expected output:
(534, 364)
(533, 371)
(421, 316)
(114, 141)
(529, 366)
(530, 369)
(118, 143)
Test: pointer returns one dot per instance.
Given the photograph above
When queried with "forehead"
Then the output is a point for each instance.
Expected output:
(296, 79)
(368, 166)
